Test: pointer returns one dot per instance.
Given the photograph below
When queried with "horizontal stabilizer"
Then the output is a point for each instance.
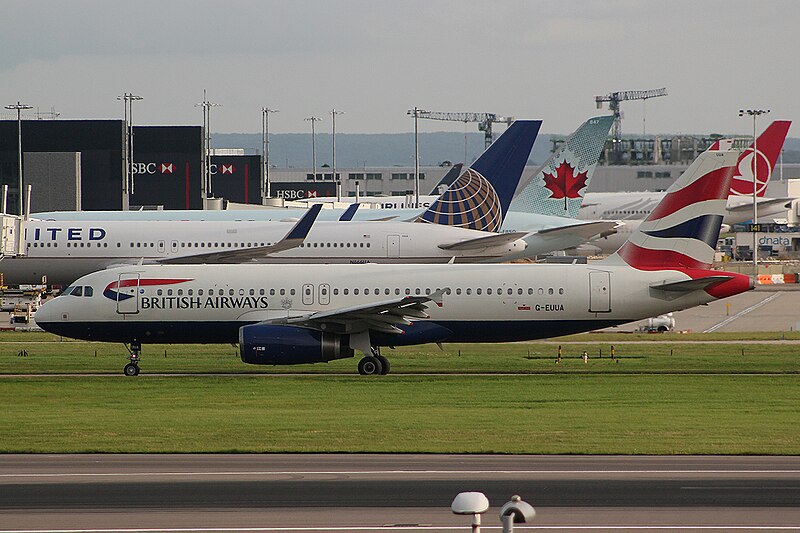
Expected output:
(495, 239)
(689, 285)
(294, 238)
(586, 230)
(761, 203)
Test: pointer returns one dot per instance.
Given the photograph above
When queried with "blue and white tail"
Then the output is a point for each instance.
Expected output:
(480, 198)
(558, 188)
(682, 231)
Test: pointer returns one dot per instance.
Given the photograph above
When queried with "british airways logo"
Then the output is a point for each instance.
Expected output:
(113, 289)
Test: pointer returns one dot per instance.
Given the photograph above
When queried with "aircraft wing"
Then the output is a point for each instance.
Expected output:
(748, 207)
(292, 239)
(586, 230)
(382, 316)
(494, 239)
(690, 284)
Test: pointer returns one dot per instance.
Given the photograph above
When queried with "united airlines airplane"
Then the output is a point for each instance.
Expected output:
(286, 314)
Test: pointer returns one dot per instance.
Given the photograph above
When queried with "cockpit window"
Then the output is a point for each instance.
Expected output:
(67, 291)
(88, 291)
(77, 291)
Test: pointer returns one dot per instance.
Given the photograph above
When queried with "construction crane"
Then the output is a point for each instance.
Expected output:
(484, 120)
(613, 100)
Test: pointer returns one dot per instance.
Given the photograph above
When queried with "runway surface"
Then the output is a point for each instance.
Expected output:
(203, 493)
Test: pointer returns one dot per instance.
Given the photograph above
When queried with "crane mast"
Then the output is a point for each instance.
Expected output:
(613, 100)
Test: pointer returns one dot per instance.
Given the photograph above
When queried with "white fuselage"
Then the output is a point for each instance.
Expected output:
(482, 303)
(65, 250)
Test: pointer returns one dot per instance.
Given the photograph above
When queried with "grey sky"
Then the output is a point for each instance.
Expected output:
(376, 59)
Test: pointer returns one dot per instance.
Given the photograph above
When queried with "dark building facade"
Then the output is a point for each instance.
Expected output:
(237, 178)
(166, 168)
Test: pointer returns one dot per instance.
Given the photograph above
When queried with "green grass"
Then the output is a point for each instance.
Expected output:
(461, 414)
(668, 397)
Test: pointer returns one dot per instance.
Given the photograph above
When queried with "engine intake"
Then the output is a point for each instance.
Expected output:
(264, 344)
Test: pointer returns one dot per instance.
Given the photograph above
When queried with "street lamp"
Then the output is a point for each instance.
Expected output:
(19, 107)
(206, 105)
(755, 113)
(415, 113)
(127, 152)
(265, 111)
(333, 162)
(313, 120)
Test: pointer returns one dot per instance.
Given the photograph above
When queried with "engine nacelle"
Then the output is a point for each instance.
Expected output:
(264, 344)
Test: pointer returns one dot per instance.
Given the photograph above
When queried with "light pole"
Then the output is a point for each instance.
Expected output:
(755, 113)
(265, 111)
(206, 105)
(19, 107)
(127, 152)
(333, 162)
(415, 113)
(313, 121)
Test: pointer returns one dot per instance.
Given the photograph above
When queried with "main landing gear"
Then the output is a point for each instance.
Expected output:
(374, 364)
(132, 368)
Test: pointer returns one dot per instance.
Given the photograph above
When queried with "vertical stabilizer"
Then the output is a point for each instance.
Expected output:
(479, 199)
(558, 188)
(770, 143)
(683, 229)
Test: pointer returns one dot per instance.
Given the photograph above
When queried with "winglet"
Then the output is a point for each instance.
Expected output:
(349, 213)
(303, 226)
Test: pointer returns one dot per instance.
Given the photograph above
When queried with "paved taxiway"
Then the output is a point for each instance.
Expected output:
(390, 492)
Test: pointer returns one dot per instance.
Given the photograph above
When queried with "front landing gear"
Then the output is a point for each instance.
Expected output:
(132, 368)
(373, 365)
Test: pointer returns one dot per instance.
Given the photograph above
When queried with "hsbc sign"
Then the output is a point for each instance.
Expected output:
(153, 168)
(222, 169)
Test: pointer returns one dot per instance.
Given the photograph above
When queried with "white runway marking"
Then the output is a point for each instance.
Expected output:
(387, 472)
(402, 528)
(743, 312)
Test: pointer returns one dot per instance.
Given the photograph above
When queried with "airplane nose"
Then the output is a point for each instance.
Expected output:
(45, 313)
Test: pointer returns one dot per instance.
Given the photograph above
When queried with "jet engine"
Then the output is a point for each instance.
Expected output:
(265, 344)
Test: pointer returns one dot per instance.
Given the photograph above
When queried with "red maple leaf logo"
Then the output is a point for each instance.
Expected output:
(565, 183)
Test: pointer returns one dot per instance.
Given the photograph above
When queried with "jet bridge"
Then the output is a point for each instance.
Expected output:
(12, 243)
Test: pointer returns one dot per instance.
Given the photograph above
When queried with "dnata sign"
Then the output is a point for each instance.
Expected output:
(774, 240)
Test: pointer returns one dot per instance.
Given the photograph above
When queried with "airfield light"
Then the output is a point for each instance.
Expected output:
(19, 107)
(755, 113)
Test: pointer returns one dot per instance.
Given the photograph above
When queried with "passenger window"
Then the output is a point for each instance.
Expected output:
(272, 292)
(230, 292)
(292, 292)
(530, 290)
(458, 291)
(397, 291)
(469, 290)
(252, 292)
(169, 292)
(550, 291)
(386, 292)
(261, 292)
(488, 291)
(283, 292)
(160, 292)
(180, 292)
(510, 291)
(336, 292)
(346, 292)
(355, 291)
(478, 291)
(408, 291)
(200, 292)
(190, 292)
(560, 291)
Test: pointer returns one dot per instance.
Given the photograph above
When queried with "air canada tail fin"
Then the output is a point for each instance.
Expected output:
(682, 231)
(769, 147)
(558, 188)
(480, 197)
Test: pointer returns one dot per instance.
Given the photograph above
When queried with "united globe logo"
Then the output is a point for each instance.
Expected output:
(471, 202)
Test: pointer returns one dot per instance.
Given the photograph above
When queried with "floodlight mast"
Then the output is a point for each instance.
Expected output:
(755, 113)
(266, 190)
(206, 184)
(19, 107)
(127, 152)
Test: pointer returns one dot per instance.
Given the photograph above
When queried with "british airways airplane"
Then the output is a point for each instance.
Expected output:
(290, 314)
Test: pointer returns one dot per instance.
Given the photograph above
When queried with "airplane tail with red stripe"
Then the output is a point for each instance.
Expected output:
(682, 231)
(769, 145)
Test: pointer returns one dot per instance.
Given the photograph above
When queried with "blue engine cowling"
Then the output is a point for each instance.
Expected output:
(264, 344)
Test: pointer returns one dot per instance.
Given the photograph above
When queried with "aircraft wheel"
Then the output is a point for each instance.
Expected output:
(131, 369)
(370, 366)
(384, 364)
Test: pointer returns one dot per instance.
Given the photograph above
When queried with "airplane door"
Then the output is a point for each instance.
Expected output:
(174, 247)
(127, 294)
(599, 292)
(308, 294)
(161, 247)
(324, 294)
(393, 246)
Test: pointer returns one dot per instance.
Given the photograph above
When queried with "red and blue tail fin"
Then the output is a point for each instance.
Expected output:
(682, 231)
(769, 145)
(480, 197)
